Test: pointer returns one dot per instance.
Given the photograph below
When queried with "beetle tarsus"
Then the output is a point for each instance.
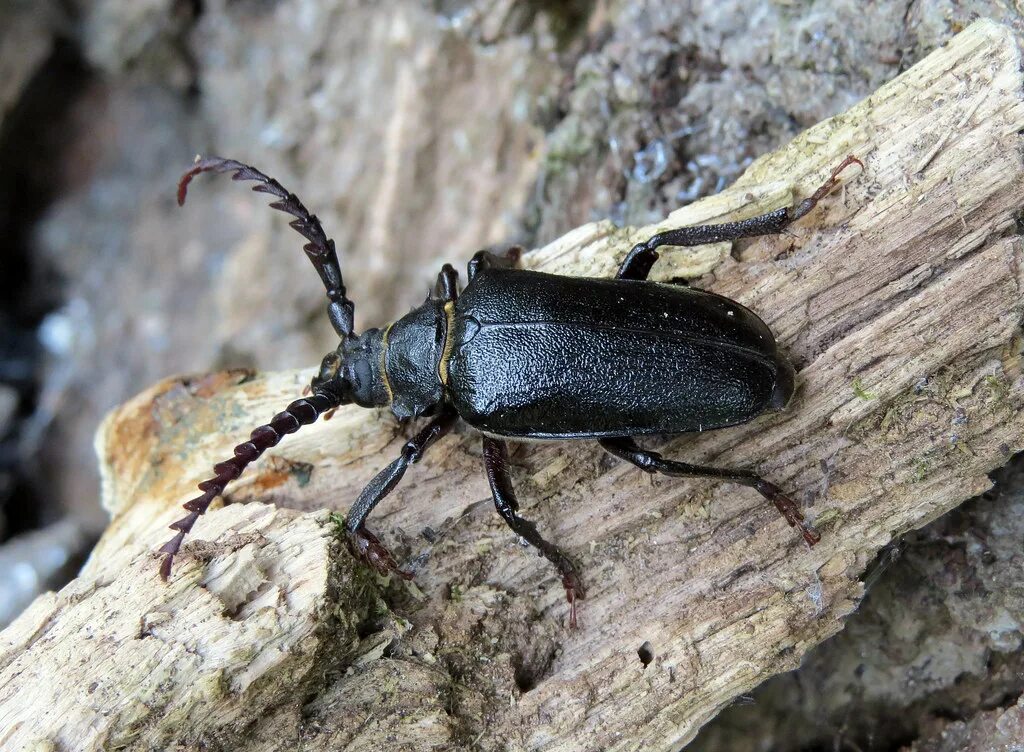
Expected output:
(640, 259)
(366, 546)
(805, 206)
(573, 592)
(789, 509)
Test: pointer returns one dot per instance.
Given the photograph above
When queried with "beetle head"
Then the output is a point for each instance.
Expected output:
(351, 373)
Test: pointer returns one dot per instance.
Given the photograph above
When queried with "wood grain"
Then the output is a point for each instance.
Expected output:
(899, 299)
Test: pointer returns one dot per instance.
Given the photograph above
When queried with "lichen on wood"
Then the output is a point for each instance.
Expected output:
(900, 301)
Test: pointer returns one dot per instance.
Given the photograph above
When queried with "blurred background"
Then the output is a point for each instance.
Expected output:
(421, 131)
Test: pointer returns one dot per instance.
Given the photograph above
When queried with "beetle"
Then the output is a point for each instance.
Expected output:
(528, 355)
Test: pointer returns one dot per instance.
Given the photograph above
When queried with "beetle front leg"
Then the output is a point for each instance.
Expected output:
(652, 462)
(638, 263)
(366, 545)
(496, 466)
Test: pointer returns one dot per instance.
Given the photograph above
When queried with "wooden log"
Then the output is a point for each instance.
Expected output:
(900, 301)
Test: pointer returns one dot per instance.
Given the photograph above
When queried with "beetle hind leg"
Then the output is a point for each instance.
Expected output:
(627, 449)
(496, 465)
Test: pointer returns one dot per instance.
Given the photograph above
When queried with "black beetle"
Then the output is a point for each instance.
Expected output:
(522, 354)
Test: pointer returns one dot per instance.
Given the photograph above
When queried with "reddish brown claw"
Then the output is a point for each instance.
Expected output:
(788, 509)
(811, 535)
(367, 547)
(574, 591)
(805, 206)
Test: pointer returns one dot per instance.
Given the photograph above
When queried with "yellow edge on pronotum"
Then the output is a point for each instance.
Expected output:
(449, 342)
(384, 363)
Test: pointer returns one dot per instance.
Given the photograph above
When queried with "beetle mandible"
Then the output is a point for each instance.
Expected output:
(528, 355)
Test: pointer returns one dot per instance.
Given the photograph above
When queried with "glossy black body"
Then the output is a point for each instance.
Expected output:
(534, 356)
(548, 357)
(540, 356)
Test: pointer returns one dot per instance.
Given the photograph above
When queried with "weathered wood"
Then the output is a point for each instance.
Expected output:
(900, 301)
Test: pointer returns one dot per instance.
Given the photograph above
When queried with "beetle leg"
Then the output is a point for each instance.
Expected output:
(485, 260)
(447, 286)
(627, 449)
(638, 263)
(364, 544)
(496, 466)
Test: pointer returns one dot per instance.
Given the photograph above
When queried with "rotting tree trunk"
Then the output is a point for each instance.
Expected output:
(899, 300)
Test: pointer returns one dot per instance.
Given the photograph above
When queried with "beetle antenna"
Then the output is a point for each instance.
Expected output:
(320, 249)
(299, 413)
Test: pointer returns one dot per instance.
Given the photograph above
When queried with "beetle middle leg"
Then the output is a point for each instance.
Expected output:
(496, 466)
(638, 263)
(649, 461)
(363, 542)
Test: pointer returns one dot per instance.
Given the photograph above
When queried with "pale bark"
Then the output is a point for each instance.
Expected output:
(899, 299)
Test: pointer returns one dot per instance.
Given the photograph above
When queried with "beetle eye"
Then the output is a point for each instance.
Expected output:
(329, 367)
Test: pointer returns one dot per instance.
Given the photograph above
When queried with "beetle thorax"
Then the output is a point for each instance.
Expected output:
(396, 366)
(411, 350)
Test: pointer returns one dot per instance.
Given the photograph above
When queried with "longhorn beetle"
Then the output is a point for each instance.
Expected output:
(527, 355)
